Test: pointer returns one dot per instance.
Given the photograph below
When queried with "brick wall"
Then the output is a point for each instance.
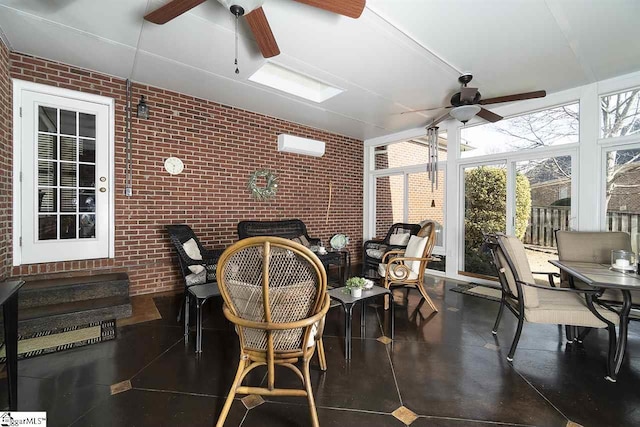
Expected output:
(6, 143)
(220, 146)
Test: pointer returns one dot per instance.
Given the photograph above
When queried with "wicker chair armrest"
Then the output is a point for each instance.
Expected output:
(390, 253)
(308, 321)
(572, 290)
(404, 258)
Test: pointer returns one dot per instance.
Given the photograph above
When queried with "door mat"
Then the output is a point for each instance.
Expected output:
(486, 292)
(62, 339)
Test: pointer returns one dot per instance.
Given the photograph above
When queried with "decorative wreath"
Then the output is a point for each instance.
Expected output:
(270, 188)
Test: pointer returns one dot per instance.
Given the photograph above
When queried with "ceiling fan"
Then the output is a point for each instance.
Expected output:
(468, 102)
(253, 12)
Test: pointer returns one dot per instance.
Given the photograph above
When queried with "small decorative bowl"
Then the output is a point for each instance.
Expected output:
(368, 284)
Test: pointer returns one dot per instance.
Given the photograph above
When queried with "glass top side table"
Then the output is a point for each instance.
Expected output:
(347, 302)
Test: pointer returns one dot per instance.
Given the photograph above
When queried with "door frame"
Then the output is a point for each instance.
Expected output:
(20, 86)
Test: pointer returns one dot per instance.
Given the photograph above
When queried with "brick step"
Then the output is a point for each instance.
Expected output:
(36, 319)
(36, 293)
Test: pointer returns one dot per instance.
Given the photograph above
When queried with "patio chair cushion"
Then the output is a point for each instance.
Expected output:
(415, 249)
(196, 268)
(192, 249)
(566, 308)
(196, 278)
(515, 248)
(382, 271)
(376, 253)
(399, 239)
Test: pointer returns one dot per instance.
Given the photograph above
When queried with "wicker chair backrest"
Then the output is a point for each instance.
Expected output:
(292, 289)
(289, 228)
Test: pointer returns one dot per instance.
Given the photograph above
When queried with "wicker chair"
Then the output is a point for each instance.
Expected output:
(199, 274)
(537, 303)
(405, 268)
(274, 291)
(374, 250)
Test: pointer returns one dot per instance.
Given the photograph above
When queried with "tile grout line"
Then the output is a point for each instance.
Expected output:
(156, 358)
(393, 371)
(539, 392)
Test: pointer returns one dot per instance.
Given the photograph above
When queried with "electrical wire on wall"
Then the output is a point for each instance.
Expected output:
(128, 177)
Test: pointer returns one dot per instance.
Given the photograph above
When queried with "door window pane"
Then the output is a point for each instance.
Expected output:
(47, 227)
(68, 200)
(87, 226)
(67, 226)
(555, 126)
(622, 188)
(87, 201)
(87, 175)
(47, 173)
(87, 150)
(47, 146)
(47, 119)
(485, 204)
(68, 174)
(620, 114)
(68, 148)
(87, 125)
(68, 122)
(47, 200)
(543, 205)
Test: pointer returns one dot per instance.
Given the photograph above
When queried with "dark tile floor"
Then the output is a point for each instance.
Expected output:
(446, 368)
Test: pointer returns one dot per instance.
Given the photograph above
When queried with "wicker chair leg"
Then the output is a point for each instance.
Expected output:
(321, 356)
(232, 392)
(312, 402)
(427, 298)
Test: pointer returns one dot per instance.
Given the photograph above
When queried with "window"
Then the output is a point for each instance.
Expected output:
(622, 192)
(554, 126)
(620, 114)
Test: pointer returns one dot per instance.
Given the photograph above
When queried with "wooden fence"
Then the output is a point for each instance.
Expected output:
(544, 220)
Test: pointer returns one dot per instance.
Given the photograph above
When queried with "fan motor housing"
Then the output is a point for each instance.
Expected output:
(455, 100)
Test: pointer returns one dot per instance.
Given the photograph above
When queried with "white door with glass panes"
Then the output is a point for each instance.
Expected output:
(65, 192)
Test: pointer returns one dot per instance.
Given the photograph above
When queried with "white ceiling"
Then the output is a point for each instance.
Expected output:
(400, 55)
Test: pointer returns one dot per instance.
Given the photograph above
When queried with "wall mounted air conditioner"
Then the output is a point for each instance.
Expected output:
(296, 144)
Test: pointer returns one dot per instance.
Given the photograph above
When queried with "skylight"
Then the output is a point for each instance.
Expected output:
(286, 80)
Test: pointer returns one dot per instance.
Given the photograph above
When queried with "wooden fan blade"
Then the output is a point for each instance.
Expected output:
(514, 97)
(261, 30)
(489, 115)
(170, 10)
(350, 8)
(425, 109)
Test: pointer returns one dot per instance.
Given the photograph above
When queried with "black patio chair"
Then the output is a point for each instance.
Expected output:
(198, 267)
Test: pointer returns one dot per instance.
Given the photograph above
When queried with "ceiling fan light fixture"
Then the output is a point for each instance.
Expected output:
(247, 5)
(464, 113)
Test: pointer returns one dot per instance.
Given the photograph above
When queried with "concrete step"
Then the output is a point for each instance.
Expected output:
(37, 293)
(54, 316)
